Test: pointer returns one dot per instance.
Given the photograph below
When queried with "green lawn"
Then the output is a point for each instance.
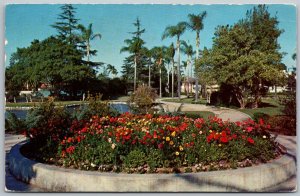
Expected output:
(204, 114)
(186, 100)
(32, 104)
(270, 107)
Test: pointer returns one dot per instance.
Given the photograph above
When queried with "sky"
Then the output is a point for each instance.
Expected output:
(24, 23)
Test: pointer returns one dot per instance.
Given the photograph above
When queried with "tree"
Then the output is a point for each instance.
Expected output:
(170, 55)
(176, 31)
(196, 24)
(265, 30)
(67, 24)
(188, 50)
(135, 47)
(158, 54)
(50, 61)
(236, 61)
(86, 37)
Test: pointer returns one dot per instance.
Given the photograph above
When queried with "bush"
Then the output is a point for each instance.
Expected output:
(144, 98)
(95, 107)
(13, 124)
(193, 115)
(260, 115)
(282, 125)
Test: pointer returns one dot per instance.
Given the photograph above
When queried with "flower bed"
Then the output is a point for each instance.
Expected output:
(164, 144)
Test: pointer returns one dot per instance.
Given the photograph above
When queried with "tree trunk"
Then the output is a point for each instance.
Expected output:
(196, 75)
(134, 80)
(172, 78)
(160, 95)
(149, 82)
(178, 68)
(168, 80)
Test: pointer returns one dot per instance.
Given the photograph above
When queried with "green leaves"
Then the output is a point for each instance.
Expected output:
(246, 55)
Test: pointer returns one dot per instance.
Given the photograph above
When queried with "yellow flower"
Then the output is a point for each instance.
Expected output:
(264, 137)
(220, 145)
(210, 131)
(180, 148)
(171, 143)
(176, 153)
(167, 139)
(173, 134)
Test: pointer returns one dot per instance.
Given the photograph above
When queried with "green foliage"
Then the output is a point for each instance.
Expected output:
(94, 107)
(260, 115)
(67, 25)
(13, 124)
(246, 56)
(135, 158)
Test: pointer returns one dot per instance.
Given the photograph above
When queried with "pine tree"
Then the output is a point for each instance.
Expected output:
(67, 25)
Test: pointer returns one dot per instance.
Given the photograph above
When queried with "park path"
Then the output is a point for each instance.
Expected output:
(11, 183)
(220, 112)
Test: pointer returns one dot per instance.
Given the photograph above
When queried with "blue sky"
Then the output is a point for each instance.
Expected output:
(24, 23)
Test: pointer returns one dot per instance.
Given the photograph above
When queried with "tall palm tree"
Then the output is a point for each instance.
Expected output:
(170, 54)
(188, 50)
(87, 36)
(158, 55)
(196, 24)
(176, 31)
(134, 46)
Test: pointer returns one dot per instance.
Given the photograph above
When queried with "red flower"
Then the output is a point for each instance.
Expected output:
(223, 134)
(249, 129)
(234, 136)
(70, 150)
(261, 121)
(154, 134)
(160, 146)
(193, 135)
(250, 140)
(183, 126)
(224, 139)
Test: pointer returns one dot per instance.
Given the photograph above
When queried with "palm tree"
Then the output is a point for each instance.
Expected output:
(170, 54)
(111, 69)
(86, 37)
(176, 31)
(158, 54)
(188, 50)
(134, 46)
(196, 24)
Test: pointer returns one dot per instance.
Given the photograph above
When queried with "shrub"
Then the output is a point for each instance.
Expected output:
(94, 107)
(46, 125)
(260, 115)
(13, 124)
(282, 125)
(193, 115)
(144, 98)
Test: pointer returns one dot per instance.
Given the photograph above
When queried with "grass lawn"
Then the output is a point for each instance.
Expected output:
(31, 104)
(204, 114)
(269, 106)
(186, 100)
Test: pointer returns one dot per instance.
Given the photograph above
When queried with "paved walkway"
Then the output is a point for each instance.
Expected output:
(11, 183)
(220, 112)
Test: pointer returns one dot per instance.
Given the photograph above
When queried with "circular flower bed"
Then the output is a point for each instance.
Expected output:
(163, 144)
